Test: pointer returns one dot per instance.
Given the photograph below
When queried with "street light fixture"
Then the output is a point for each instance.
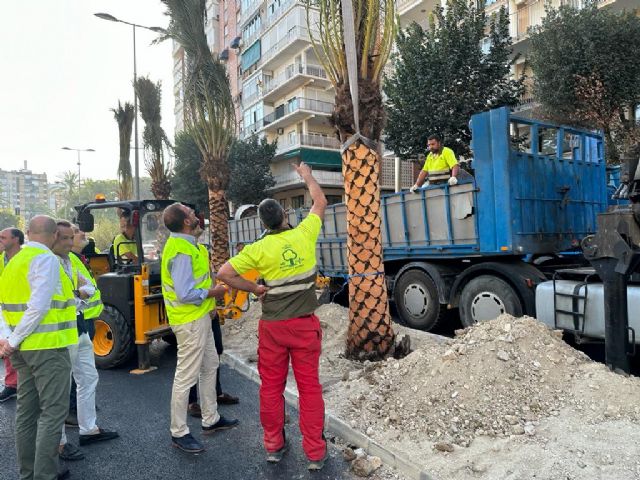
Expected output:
(111, 18)
(79, 150)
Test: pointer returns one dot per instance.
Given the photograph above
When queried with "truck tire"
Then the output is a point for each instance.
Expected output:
(113, 343)
(416, 298)
(485, 298)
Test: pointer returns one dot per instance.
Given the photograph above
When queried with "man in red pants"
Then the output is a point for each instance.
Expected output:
(11, 240)
(286, 259)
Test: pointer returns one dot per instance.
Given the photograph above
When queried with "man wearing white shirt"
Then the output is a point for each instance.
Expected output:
(82, 360)
(38, 306)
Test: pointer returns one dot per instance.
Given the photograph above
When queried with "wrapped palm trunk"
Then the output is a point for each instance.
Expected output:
(370, 335)
(218, 224)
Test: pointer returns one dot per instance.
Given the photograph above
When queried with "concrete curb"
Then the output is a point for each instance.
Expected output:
(338, 426)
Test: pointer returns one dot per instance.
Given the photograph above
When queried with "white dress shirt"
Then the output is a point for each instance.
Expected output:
(44, 280)
(87, 288)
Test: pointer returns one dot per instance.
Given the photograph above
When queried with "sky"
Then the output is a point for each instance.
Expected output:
(63, 69)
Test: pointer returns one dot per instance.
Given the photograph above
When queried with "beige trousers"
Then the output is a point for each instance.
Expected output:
(197, 363)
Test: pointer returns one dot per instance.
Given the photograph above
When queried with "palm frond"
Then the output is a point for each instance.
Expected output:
(124, 116)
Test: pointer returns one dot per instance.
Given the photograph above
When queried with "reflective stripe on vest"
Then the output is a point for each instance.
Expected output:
(58, 327)
(178, 312)
(94, 306)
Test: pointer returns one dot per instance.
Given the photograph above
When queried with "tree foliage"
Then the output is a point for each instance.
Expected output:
(250, 172)
(375, 28)
(124, 116)
(249, 166)
(153, 137)
(587, 71)
(442, 76)
(209, 112)
(186, 185)
(9, 219)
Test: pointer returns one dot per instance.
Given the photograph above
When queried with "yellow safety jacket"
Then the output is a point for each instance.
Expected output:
(181, 313)
(94, 304)
(58, 327)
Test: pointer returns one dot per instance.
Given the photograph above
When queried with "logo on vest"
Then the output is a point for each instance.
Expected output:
(290, 258)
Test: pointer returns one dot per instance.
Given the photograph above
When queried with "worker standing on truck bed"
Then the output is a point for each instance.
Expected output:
(188, 298)
(440, 165)
(289, 329)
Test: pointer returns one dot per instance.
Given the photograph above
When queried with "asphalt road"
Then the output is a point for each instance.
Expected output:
(138, 408)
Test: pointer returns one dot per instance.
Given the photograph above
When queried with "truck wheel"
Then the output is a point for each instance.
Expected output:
(113, 342)
(416, 298)
(487, 297)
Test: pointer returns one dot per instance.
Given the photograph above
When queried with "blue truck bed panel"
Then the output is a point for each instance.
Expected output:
(537, 190)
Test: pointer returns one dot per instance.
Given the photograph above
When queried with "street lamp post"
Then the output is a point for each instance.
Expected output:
(111, 18)
(78, 150)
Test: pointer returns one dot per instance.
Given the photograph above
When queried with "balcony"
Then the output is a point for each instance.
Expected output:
(294, 76)
(295, 40)
(316, 141)
(527, 17)
(296, 110)
(247, 14)
(277, 15)
(324, 178)
(415, 11)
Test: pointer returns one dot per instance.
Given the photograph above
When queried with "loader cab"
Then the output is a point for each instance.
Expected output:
(130, 285)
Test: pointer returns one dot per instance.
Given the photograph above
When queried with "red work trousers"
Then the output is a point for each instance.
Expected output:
(11, 376)
(301, 340)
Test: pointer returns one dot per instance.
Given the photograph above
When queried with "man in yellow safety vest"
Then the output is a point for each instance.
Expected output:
(38, 306)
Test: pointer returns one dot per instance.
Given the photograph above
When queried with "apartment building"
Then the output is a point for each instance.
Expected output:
(282, 93)
(23, 192)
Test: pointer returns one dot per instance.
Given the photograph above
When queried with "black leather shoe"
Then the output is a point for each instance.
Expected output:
(222, 424)
(63, 472)
(71, 453)
(8, 393)
(71, 420)
(226, 399)
(101, 436)
(187, 444)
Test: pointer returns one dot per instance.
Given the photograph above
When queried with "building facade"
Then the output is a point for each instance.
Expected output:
(23, 192)
(282, 93)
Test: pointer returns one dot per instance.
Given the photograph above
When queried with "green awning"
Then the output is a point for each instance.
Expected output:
(324, 159)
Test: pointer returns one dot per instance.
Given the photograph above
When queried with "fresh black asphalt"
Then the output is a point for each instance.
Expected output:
(137, 406)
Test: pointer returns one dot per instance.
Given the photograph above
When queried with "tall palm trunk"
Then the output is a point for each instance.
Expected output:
(370, 335)
(209, 113)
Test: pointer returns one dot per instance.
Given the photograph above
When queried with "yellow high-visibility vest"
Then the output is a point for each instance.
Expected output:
(58, 328)
(181, 313)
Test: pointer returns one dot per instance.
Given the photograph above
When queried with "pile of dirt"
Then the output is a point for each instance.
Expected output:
(509, 385)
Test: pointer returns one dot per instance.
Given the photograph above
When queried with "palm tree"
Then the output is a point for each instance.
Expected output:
(124, 116)
(154, 138)
(367, 28)
(69, 182)
(209, 113)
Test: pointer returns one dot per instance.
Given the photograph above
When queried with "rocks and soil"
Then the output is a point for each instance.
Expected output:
(505, 399)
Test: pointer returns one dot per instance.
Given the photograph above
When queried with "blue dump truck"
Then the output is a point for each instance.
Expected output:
(499, 240)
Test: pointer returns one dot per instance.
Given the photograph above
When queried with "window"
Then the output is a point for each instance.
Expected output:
(297, 201)
(333, 199)
(292, 137)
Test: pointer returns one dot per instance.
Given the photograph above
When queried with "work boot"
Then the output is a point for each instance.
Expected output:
(315, 465)
(187, 444)
(222, 424)
(8, 393)
(275, 457)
